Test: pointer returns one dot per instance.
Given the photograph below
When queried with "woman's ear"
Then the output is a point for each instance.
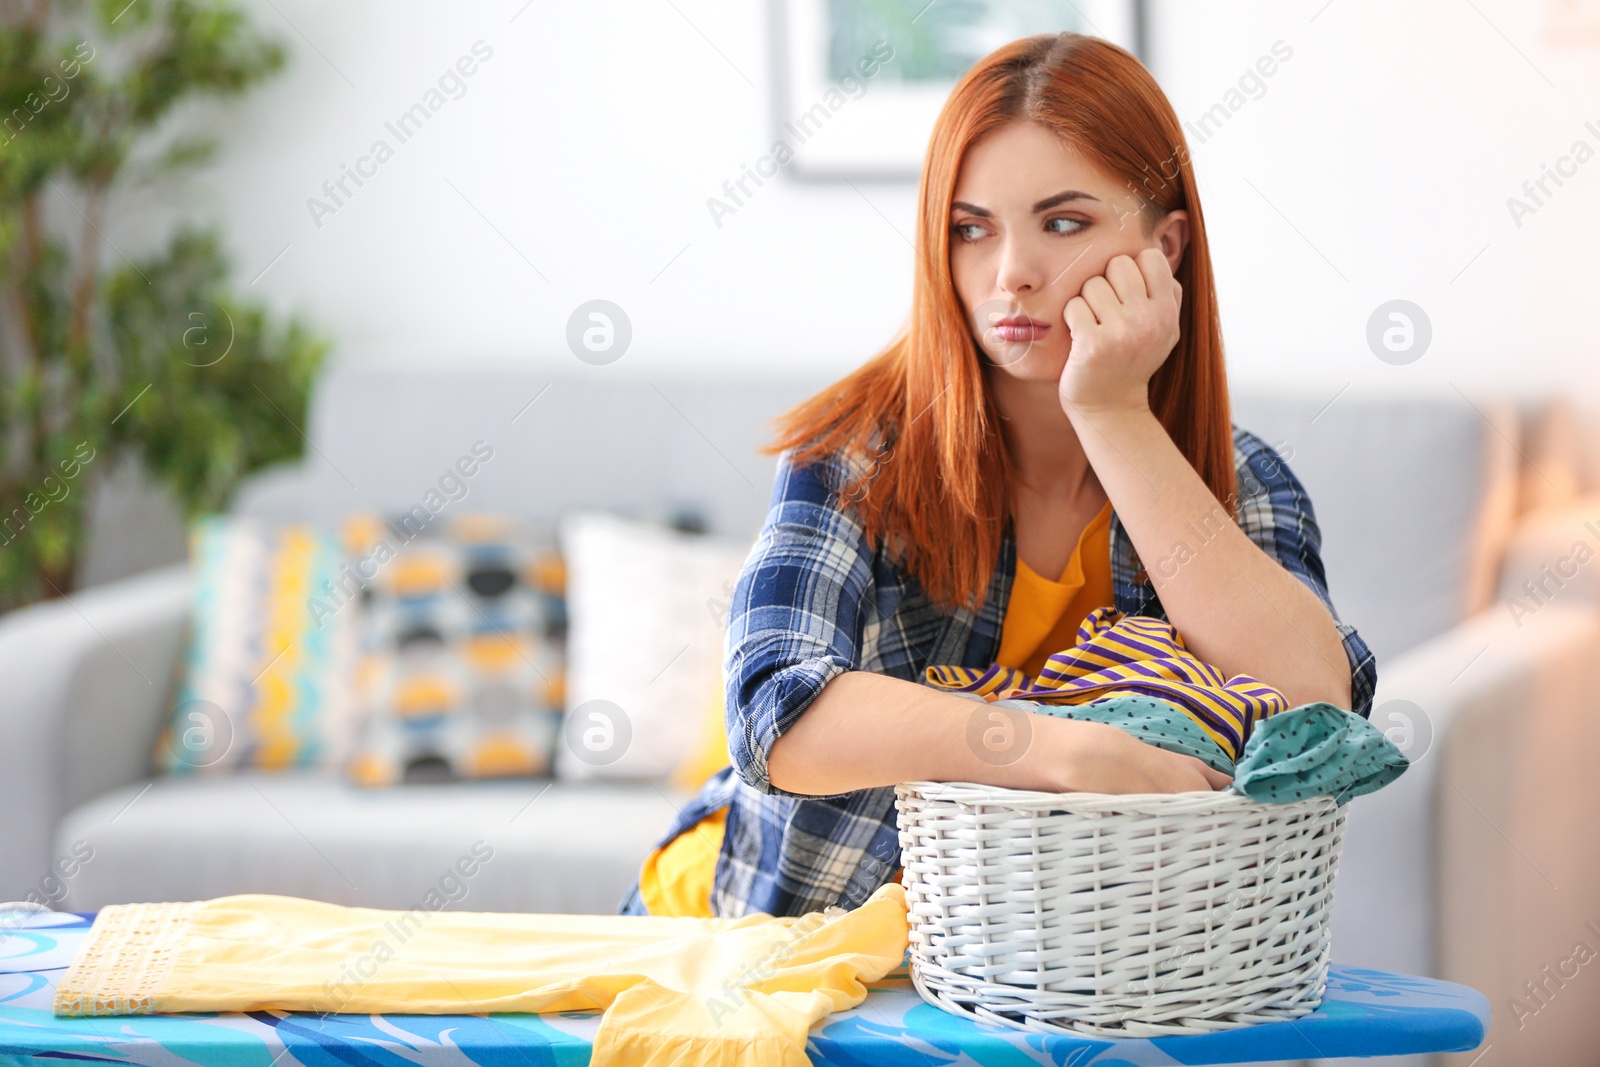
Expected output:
(1172, 237)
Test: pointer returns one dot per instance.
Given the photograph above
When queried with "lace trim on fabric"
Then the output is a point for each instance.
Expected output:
(124, 959)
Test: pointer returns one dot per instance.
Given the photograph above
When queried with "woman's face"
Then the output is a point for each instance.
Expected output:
(1030, 222)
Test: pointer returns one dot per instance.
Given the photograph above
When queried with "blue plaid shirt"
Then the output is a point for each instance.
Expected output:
(814, 600)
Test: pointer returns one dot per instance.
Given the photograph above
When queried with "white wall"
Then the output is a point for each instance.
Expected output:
(1384, 151)
(1391, 141)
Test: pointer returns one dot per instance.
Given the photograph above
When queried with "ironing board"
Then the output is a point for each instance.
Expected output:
(1364, 1013)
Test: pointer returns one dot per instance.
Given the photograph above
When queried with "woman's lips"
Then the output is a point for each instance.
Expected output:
(1012, 332)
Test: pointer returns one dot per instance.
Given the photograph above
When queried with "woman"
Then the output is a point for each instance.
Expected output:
(1056, 406)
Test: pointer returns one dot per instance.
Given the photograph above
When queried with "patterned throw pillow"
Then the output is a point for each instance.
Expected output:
(266, 680)
(462, 671)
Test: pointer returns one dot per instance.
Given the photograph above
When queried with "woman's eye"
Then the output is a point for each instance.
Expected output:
(962, 230)
(1076, 224)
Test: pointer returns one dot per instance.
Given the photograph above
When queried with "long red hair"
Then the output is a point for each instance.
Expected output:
(936, 474)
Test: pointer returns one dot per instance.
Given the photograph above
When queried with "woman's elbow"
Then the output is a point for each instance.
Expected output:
(792, 763)
(1325, 686)
(773, 734)
(1342, 690)
(1332, 688)
(767, 766)
(1337, 683)
(778, 771)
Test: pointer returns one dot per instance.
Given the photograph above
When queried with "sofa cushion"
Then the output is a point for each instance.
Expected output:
(266, 680)
(463, 631)
(646, 642)
(553, 846)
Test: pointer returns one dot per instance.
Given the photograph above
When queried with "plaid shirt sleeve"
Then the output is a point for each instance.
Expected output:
(797, 615)
(1276, 513)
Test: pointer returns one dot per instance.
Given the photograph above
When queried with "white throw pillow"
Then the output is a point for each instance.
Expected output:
(646, 618)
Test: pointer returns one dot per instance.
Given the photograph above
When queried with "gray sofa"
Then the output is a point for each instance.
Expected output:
(1479, 865)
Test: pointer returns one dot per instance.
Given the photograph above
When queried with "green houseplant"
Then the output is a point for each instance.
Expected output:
(102, 355)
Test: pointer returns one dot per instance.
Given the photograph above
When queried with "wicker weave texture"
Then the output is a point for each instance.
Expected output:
(1136, 915)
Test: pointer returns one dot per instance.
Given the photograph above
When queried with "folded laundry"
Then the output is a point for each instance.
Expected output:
(1117, 654)
(1316, 749)
(721, 991)
(1135, 673)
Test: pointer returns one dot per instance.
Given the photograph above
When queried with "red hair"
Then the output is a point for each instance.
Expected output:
(936, 481)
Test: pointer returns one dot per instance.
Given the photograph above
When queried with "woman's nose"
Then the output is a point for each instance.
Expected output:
(1019, 270)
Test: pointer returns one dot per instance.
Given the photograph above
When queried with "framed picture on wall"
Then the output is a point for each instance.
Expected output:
(857, 84)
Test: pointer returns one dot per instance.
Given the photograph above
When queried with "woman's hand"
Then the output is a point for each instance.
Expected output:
(1107, 759)
(1124, 324)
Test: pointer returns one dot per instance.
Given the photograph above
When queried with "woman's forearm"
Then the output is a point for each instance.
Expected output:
(866, 730)
(1236, 606)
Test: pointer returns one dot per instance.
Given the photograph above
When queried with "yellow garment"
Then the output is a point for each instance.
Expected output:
(676, 878)
(1042, 616)
(674, 991)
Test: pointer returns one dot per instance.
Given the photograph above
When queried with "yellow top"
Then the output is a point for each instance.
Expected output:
(676, 878)
(1042, 616)
(723, 992)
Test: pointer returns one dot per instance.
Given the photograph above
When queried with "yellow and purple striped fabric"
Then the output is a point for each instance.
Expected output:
(1130, 654)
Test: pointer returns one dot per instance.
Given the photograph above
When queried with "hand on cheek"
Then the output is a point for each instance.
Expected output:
(1124, 324)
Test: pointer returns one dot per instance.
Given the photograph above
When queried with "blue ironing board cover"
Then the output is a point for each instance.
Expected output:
(1364, 1013)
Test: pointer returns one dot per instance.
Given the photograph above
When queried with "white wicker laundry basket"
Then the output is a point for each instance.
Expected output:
(1136, 915)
